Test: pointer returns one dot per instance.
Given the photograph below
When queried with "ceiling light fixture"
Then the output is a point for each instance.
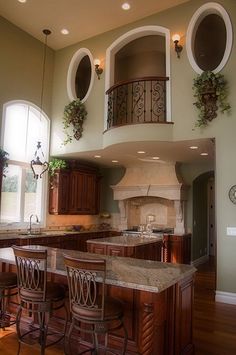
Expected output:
(204, 154)
(155, 158)
(114, 161)
(22, 1)
(193, 147)
(125, 6)
(178, 47)
(38, 164)
(65, 31)
(141, 152)
(97, 156)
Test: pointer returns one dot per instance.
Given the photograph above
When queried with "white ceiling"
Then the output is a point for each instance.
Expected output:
(83, 18)
(87, 18)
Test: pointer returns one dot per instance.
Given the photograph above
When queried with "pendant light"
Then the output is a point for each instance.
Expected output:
(39, 165)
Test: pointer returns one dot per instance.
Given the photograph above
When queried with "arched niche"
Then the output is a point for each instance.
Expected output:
(209, 38)
(80, 75)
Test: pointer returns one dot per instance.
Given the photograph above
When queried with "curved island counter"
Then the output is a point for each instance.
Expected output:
(158, 299)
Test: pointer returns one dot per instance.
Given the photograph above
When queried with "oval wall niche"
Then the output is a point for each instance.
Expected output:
(209, 38)
(80, 75)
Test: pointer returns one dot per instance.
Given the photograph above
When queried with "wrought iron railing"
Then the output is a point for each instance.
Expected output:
(141, 100)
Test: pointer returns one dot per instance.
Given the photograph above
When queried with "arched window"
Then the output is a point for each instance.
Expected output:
(23, 126)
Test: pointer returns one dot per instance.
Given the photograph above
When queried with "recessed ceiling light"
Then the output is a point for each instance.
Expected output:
(193, 147)
(125, 6)
(155, 158)
(22, 1)
(204, 153)
(141, 152)
(64, 31)
(97, 156)
(114, 161)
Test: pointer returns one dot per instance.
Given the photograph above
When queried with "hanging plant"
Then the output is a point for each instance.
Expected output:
(211, 92)
(56, 164)
(74, 115)
(4, 156)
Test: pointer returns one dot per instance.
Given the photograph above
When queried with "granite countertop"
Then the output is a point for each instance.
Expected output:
(51, 233)
(127, 240)
(147, 275)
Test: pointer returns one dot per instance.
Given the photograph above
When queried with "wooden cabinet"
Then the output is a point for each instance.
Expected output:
(177, 248)
(74, 191)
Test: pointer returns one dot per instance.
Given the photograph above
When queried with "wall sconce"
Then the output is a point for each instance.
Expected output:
(36, 164)
(98, 69)
(178, 47)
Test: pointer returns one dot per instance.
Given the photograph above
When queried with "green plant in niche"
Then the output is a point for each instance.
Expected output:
(56, 164)
(210, 91)
(74, 115)
(4, 156)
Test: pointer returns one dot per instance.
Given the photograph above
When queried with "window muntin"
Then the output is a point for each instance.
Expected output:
(23, 126)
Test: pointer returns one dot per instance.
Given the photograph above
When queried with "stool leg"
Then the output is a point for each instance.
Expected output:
(69, 336)
(18, 317)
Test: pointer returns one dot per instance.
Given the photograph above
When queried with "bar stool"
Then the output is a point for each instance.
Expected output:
(92, 311)
(8, 285)
(38, 298)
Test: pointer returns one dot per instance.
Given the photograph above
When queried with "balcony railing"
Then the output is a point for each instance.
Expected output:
(141, 100)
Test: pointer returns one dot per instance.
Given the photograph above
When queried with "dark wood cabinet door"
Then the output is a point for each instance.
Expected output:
(76, 192)
(59, 192)
(115, 250)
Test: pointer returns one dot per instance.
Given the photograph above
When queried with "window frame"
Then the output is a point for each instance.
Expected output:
(24, 165)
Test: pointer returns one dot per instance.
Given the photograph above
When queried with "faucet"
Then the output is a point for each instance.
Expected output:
(30, 222)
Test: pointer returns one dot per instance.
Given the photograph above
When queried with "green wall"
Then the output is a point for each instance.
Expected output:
(110, 176)
(21, 67)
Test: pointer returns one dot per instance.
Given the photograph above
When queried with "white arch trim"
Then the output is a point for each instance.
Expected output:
(77, 57)
(203, 11)
(121, 42)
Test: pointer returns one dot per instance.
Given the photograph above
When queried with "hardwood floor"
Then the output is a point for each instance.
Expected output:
(214, 324)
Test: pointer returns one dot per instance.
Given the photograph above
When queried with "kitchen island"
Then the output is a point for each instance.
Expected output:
(148, 247)
(157, 299)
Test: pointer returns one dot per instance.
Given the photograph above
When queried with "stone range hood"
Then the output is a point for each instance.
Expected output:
(153, 180)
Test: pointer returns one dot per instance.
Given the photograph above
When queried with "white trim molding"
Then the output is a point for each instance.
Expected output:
(203, 11)
(225, 297)
(76, 59)
(121, 42)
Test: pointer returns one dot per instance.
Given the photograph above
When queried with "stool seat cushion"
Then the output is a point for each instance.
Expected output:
(55, 292)
(8, 279)
(113, 309)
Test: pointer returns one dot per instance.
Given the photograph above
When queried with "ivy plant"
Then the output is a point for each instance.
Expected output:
(4, 156)
(210, 91)
(74, 116)
(56, 164)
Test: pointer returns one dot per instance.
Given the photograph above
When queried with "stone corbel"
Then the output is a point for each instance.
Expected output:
(123, 214)
(179, 211)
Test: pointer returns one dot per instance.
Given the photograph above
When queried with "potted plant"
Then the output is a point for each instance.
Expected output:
(56, 164)
(74, 115)
(211, 91)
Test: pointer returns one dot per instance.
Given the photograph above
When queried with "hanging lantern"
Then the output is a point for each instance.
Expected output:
(38, 164)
